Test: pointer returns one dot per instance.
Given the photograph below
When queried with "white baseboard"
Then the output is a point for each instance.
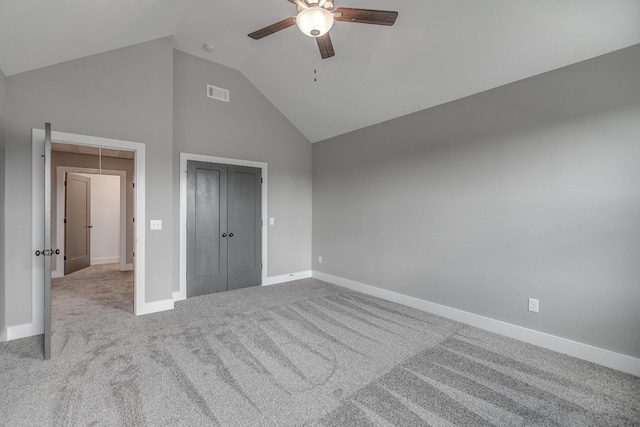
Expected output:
(126, 267)
(23, 331)
(155, 307)
(55, 274)
(586, 352)
(180, 295)
(273, 280)
(105, 260)
(30, 329)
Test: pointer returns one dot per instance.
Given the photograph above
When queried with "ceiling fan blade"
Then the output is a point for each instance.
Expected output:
(273, 28)
(325, 46)
(366, 16)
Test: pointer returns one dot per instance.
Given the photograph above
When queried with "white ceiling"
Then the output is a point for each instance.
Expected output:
(438, 50)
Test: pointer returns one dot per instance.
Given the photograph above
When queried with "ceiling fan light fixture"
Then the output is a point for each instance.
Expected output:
(314, 21)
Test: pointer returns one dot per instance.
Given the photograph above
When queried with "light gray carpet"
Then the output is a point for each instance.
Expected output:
(302, 353)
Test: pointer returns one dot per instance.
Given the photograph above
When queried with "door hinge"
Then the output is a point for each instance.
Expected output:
(65, 220)
(65, 257)
(261, 267)
(261, 181)
(133, 254)
(261, 224)
(133, 220)
(133, 184)
(65, 183)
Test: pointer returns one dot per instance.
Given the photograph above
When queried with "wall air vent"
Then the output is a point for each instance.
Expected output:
(217, 93)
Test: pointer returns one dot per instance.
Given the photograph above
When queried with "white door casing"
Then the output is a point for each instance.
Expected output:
(140, 306)
(61, 170)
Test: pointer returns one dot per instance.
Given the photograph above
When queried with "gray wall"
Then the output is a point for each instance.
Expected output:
(528, 190)
(93, 162)
(3, 115)
(249, 127)
(122, 94)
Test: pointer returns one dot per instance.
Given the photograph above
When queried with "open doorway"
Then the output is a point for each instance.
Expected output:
(93, 216)
(92, 226)
(42, 215)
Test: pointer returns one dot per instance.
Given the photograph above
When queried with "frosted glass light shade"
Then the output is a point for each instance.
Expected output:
(314, 21)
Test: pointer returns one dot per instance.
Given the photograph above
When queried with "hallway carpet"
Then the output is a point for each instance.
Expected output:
(303, 353)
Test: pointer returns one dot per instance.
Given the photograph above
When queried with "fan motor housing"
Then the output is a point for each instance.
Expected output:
(328, 5)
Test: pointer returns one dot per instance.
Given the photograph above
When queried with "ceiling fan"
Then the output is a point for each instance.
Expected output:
(315, 18)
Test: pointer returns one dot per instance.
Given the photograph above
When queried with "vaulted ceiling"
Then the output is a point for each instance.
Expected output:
(438, 50)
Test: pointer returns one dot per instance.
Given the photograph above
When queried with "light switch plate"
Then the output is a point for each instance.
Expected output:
(272, 221)
(155, 224)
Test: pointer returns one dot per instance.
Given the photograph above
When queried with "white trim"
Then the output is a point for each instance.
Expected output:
(586, 352)
(273, 280)
(156, 306)
(140, 306)
(105, 260)
(178, 296)
(126, 267)
(24, 330)
(184, 157)
(60, 193)
(3, 335)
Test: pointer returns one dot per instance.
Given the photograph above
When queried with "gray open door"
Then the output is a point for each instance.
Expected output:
(77, 230)
(47, 252)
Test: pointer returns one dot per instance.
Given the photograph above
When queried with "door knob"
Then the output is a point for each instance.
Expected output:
(230, 234)
(224, 234)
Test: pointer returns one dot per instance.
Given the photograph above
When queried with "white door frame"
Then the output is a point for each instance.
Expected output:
(37, 138)
(60, 172)
(184, 157)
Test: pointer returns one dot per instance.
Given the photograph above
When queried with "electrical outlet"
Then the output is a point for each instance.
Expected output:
(320, 259)
(534, 305)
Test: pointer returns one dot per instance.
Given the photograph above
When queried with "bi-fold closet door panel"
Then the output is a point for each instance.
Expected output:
(223, 227)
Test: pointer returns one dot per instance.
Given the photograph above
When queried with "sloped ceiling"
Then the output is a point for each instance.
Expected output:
(438, 50)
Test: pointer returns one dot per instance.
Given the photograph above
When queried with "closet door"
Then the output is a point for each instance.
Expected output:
(206, 228)
(244, 226)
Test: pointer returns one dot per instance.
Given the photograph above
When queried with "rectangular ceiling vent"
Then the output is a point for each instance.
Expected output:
(217, 93)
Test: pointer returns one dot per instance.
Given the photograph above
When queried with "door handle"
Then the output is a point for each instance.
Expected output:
(48, 252)
(224, 234)
(230, 234)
